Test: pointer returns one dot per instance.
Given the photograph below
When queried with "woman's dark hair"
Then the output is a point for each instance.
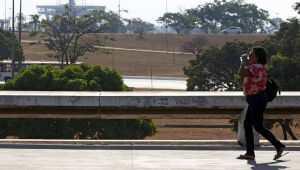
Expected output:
(261, 54)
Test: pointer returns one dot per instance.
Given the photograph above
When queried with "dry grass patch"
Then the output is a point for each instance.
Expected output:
(134, 63)
(205, 133)
(126, 62)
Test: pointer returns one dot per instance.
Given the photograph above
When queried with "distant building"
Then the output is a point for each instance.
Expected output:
(2, 22)
(51, 10)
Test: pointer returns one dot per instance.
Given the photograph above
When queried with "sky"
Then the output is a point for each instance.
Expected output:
(149, 10)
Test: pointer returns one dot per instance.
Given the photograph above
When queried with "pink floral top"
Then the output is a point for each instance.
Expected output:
(257, 83)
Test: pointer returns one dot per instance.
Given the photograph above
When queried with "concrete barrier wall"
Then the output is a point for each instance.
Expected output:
(138, 99)
(138, 104)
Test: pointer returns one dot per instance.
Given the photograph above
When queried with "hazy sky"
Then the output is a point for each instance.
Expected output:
(150, 10)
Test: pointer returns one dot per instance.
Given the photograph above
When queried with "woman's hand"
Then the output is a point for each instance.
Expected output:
(243, 72)
(244, 59)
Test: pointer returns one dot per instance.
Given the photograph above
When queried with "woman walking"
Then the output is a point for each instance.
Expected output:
(255, 79)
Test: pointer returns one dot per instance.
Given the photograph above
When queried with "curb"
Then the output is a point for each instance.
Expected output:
(137, 142)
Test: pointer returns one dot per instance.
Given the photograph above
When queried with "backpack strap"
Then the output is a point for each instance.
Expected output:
(279, 91)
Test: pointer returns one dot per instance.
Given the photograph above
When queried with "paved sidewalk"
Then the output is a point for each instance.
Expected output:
(44, 157)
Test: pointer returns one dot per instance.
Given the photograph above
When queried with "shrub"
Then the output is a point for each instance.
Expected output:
(72, 78)
(33, 33)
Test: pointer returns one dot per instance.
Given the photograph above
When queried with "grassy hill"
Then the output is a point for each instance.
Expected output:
(135, 63)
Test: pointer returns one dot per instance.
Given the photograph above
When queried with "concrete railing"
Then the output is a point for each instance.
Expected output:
(133, 105)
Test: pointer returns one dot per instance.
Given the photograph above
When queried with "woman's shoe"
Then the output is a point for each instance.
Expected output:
(279, 152)
(247, 157)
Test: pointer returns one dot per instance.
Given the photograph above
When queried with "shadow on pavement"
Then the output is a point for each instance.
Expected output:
(266, 166)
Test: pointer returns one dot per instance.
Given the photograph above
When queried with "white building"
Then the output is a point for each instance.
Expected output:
(50, 10)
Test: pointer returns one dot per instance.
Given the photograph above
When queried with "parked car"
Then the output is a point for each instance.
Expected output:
(274, 31)
(232, 30)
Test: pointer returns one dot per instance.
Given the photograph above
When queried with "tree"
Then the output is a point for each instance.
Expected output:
(140, 31)
(23, 19)
(72, 78)
(181, 23)
(285, 71)
(286, 40)
(247, 16)
(297, 7)
(5, 47)
(213, 17)
(136, 24)
(195, 46)
(35, 21)
(275, 25)
(115, 24)
(207, 16)
(64, 34)
(284, 65)
(216, 68)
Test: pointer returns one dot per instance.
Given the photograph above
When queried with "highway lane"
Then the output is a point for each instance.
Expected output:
(173, 83)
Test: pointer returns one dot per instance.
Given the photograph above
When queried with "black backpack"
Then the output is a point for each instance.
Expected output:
(271, 89)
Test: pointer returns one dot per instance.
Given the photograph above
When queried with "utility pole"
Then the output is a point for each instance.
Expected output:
(119, 10)
(167, 45)
(173, 47)
(5, 21)
(20, 21)
(13, 41)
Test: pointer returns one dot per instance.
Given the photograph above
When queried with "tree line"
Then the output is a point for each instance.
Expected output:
(221, 14)
(210, 17)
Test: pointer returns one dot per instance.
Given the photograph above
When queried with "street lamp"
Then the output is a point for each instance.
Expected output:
(5, 21)
(121, 10)
(167, 45)
(20, 21)
(13, 40)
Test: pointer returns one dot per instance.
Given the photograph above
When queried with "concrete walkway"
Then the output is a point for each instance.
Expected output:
(44, 157)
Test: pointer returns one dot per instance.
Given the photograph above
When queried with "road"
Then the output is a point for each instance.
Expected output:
(173, 83)
(127, 49)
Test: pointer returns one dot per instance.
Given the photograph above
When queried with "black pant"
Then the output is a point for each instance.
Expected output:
(255, 117)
